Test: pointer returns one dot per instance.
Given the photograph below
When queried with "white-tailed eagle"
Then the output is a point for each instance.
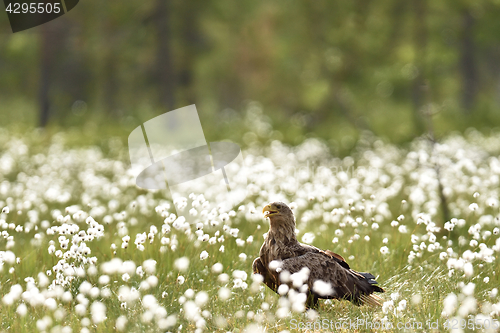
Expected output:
(324, 274)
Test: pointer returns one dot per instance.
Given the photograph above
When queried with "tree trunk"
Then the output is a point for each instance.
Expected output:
(191, 41)
(419, 96)
(467, 64)
(45, 75)
(164, 63)
(111, 83)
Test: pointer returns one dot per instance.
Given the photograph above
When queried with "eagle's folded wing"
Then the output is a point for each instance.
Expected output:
(327, 278)
(270, 278)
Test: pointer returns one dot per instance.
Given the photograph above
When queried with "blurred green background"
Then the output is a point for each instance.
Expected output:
(330, 69)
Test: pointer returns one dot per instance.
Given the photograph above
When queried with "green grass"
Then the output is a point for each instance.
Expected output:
(427, 276)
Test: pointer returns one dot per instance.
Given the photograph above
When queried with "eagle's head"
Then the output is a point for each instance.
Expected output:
(278, 211)
(281, 219)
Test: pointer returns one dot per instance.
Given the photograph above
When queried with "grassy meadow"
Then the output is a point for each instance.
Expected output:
(85, 250)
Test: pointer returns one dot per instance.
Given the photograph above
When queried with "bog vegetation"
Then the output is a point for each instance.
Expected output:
(84, 250)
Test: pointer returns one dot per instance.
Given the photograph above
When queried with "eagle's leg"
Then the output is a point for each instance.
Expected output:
(312, 301)
(258, 268)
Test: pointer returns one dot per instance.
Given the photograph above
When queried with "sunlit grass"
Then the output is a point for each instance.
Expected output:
(380, 209)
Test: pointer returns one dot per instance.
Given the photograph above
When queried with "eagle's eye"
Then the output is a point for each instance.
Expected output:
(278, 206)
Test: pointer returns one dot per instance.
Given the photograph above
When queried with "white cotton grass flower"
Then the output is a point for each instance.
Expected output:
(94, 292)
(254, 328)
(274, 265)
(239, 274)
(467, 306)
(201, 298)
(152, 281)
(181, 279)
(85, 287)
(181, 264)
(105, 292)
(191, 311)
(189, 293)
(258, 279)
(300, 277)
(139, 271)
(217, 268)
(323, 288)
(308, 237)
(450, 305)
(103, 279)
(224, 293)
(468, 289)
(203, 255)
(9, 257)
(238, 283)
(44, 323)
(98, 312)
(312, 315)
(468, 269)
(384, 250)
(121, 323)
(449, 226)
(283, 289)
(265, 306)
(149, 266)
(67, 297)
(50, 304)
(22, 310)
(416, 299)
(223, 278)
(81, 310)
(403, 229)
(127, 294)
(387, 306)
(401, 305)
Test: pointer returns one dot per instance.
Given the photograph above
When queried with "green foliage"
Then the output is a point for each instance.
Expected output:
(326, 67)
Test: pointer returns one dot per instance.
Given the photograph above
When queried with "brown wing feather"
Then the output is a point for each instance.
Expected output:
(334, 255)
(269, 278)
(345, 283)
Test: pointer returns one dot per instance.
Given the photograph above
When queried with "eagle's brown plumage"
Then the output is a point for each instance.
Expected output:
(281, 246)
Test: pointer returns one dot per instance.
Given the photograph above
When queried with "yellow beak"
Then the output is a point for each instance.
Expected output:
(270, 211)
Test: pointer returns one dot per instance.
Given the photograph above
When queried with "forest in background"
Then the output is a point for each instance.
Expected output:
(398, 69)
